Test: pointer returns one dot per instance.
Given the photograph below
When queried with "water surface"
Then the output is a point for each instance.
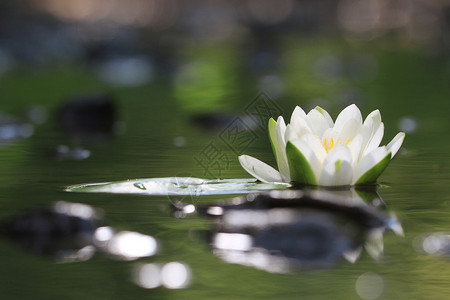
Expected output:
(415, 186)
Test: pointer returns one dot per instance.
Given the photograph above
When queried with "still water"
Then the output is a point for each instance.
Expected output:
(168, 128)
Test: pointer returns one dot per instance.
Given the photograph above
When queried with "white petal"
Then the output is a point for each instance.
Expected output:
(281, 128)
(350, 112)
(331, 133)
(326, 115)
(368, 161)
(349, 130)
(317, 122)
(298, 113)
(375, 117)
(290, 133)
(301, 126)
(375, 140)
(337, 167)
(396, 143)
(315, 145)
(259, 169)
(355, 148)
(366, 132)
(309, 155)
(370, 127)
(282, 159)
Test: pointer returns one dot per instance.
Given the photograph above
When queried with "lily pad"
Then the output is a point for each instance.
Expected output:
(182, 186)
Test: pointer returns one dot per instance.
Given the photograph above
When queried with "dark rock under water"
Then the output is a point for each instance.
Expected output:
(89, 117)
(49, 232)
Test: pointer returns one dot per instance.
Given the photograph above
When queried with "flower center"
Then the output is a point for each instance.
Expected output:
(329, 145)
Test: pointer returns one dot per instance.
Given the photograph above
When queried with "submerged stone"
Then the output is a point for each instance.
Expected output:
(89, 117)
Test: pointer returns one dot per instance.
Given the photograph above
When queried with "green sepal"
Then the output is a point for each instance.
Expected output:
(373, 173)
(300, 169)
(272, 129)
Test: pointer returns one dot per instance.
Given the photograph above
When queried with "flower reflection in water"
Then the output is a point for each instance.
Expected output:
(285, 231)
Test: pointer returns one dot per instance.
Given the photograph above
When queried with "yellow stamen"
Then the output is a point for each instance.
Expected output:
(325, 144)
(330, 146)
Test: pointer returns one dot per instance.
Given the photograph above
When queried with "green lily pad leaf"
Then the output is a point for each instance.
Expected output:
(301, 171)
(371, 175)
(183, 186)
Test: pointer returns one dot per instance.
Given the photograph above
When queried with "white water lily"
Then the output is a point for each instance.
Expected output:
(314, 150)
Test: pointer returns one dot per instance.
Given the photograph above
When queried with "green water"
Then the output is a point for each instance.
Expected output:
(415, 186)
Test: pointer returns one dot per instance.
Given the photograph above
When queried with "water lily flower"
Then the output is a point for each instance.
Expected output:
(314, 150)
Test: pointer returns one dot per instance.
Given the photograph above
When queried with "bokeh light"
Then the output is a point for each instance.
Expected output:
(103, 235)
(175, 275)
(147, 276)
(407, 124)
(172, 275)
(232, 241)
(437, 244)
(369, 286)
(79, 210)
(132, 245)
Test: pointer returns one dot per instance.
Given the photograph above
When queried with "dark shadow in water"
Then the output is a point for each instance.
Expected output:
(285, 231)
(71, 232)
(68, 232)
(89, 118)
(58, 232)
